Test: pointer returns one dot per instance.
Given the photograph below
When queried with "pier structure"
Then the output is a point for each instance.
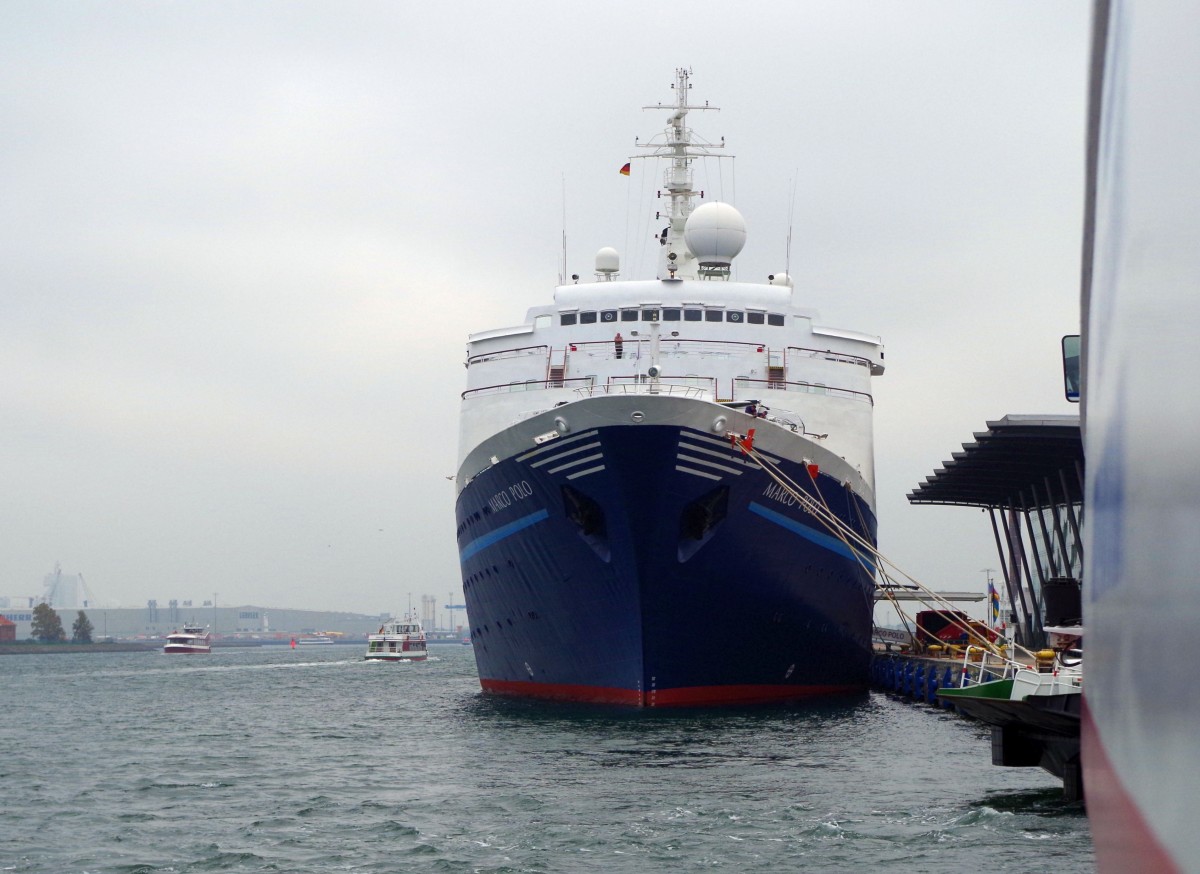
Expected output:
(1027, 472)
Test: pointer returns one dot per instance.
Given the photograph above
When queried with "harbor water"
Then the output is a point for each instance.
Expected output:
(274, 759)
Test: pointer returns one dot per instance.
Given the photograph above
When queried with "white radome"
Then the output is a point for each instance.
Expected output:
(715, 233)
(608, 260)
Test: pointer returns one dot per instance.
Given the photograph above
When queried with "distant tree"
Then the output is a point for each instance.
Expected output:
(81, 631)
(46, 624)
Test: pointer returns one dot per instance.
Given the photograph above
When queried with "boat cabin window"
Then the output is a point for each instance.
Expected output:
(567, 319)
(671, 315)
(587, 318)
(692, 315)
(629, 315)
(650, 315)
(733, 316)
(713, 315)
(756, 318)
(773, 319)
(608, 315)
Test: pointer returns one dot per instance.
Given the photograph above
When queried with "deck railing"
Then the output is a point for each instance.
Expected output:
(528, 385)
(829, 356)
(644, 388)
(504, 354)
(752, 386)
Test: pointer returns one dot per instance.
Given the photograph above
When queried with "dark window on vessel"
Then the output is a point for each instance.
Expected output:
(608, 315)
(567, 319)
(587, 318)
(774, 319)
(712, 315)
(629, 315)
(692, 315)
(671, 315)
(733, 316)
(701, 515)
(756, 318)
(649, 315)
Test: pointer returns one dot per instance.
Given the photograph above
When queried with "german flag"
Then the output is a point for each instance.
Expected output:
(625, 170)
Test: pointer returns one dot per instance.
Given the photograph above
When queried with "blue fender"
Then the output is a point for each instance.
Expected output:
(948, 683)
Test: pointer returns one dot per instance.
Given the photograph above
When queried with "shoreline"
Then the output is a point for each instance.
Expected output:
(58, 648)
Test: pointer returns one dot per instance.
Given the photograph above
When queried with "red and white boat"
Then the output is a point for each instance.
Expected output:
(398, 640)
(191, 641)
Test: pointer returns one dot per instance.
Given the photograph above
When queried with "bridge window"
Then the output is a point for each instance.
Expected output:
(629, 315)
(692, 315)
(567, 319)
(756, 318)
(734, 316)
(774, 319)
(587, 318)
(650, 315)
(713, 315)
(671, 315)
(608, 315)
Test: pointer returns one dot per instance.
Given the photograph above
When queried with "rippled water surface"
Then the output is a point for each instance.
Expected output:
(270, 759)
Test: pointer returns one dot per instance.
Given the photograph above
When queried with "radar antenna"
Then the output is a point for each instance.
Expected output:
(678, 144)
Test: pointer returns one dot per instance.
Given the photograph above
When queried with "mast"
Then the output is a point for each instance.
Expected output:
(677, 144)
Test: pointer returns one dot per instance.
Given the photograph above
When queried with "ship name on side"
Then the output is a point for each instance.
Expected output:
(516, 492)
(776, 492)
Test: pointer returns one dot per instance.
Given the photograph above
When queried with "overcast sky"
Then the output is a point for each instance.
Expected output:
(242, 244)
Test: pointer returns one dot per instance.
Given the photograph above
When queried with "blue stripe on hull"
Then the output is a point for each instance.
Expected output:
(643, 606)
(828, 541)
(500, 533)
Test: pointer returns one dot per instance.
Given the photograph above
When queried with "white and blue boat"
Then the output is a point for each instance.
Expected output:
(616, 545)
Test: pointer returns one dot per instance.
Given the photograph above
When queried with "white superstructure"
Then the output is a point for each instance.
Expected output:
(691, 333)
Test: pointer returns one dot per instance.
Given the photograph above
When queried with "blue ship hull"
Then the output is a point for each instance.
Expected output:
(630, 564)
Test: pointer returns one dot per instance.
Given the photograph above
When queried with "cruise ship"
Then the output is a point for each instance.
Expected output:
(619, 541)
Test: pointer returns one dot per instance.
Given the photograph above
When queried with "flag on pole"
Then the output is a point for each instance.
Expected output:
(625, 170)
(994, 601)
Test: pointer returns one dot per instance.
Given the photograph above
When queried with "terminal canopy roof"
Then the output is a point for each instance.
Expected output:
(1013, 459)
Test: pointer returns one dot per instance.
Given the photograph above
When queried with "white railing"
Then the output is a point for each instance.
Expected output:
(988, 666)
(643, 388)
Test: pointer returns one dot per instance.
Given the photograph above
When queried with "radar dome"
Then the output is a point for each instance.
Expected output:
(780, 279)
(607, 260)
(715, 233)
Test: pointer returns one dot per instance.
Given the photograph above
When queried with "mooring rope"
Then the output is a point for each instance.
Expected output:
(859, 546)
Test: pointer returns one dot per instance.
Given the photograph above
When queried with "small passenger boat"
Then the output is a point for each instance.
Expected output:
(193, 639)
(315, 640)
(398, 640)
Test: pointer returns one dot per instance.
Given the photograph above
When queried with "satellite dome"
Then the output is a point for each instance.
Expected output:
(715, 233)
(608, 260)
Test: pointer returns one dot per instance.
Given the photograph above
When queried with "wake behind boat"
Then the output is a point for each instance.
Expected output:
(611, 529)
(192, 640)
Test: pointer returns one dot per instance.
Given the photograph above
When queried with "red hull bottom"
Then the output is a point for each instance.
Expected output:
(1123, 839)
(698, 696)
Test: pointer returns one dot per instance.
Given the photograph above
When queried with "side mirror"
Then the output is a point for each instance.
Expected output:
(1070, 356)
